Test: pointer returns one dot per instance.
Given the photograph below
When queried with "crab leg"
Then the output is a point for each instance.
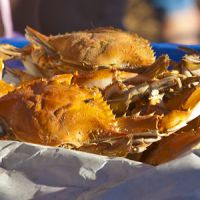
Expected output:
(157, 68)
(121, 145)
(122, 101)
(140, 91)
(137, 141)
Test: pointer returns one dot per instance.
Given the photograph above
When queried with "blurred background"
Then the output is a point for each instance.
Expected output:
(174, 21)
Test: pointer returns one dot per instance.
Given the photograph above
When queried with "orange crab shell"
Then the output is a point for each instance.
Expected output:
(98, 47)
(54, 113)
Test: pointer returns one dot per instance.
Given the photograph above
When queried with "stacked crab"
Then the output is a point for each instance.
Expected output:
(101, 91)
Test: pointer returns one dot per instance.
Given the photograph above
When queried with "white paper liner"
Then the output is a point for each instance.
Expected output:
(37, 172)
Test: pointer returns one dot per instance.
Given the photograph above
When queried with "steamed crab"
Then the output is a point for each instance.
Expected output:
(79, 51)
(59, 113)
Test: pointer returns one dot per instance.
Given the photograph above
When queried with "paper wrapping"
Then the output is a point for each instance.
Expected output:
(37, 172)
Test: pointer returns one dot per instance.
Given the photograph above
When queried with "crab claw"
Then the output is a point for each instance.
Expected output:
(173, 146)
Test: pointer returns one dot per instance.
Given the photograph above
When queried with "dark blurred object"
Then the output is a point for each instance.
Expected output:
(60, 16)
(156, 20)
(180, 20)
(141, 18)
(179, 24)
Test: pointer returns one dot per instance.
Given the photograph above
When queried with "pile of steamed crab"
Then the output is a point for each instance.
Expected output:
(101, 91)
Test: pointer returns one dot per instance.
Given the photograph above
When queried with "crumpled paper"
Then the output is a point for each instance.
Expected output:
(36, 172)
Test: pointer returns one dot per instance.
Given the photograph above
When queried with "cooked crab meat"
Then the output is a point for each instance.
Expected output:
(153, 127)
(93, 79)
(101, 78)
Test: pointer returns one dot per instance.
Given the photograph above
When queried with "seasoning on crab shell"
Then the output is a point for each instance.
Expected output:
(97, 47)
(83, 50)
